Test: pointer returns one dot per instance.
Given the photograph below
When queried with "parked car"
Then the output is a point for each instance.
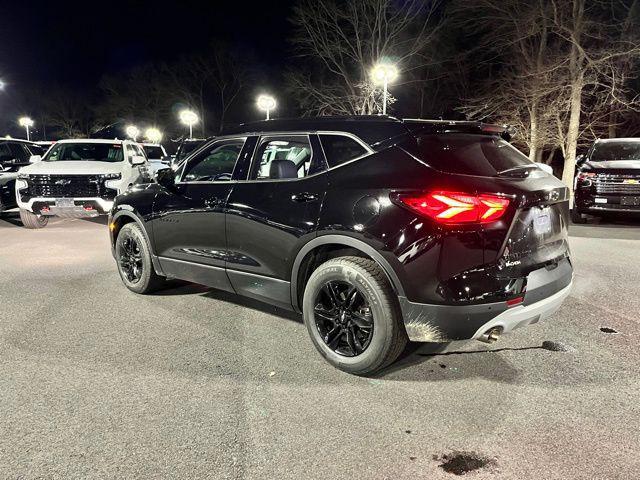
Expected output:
(14, 154)
(78, 178)
(608, 179)
(157, 157)
(377, 230)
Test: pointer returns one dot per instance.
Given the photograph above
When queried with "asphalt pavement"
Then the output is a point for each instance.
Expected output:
(97, 382)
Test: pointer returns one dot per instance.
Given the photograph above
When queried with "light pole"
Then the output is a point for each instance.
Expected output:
(384, 74)
(189, 117)
(266, 103)
(26, 122)
(132, 132)
(153, 135)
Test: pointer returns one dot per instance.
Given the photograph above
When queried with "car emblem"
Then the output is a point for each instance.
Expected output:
(631, 181)
(63, 181)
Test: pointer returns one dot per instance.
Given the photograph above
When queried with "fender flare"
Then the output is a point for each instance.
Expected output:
(132, 215)
(347, 242)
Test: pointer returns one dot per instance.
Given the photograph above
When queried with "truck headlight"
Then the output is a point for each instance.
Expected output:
(112, 180)
(21, 183)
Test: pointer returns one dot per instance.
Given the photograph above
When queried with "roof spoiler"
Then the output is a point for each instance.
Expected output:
(459, 126)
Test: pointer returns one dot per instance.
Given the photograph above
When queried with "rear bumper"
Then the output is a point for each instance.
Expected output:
(546, 290)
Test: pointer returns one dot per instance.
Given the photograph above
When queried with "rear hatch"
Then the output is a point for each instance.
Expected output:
(533, 232)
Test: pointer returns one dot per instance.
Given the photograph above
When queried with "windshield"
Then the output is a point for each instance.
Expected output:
(98, 152)
(153, 152)
(611, 151)
(466, 154)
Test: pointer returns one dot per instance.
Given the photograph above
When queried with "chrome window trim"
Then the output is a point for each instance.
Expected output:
(262, 135)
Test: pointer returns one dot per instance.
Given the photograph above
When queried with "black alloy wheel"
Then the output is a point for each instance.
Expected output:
(352, 315)
(343, 318)
(130, 258)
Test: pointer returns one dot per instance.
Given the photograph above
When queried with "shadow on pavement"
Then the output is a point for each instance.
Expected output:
(435, 362)
(178, 287)
(12, 218)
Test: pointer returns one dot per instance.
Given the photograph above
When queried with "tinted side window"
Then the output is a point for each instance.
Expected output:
(214, 163)
(466, 154)
(340, 149)
(5, 152)
(281, 157)
(19, 152)
(36, 150)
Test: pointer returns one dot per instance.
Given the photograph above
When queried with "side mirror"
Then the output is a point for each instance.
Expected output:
(166, 177)
(138, 160)
(545, 167)
(581, 160)
(166, 159)
(35, 158)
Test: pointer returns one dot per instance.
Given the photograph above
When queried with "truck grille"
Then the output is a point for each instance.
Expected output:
(617, 184)
(67, 186)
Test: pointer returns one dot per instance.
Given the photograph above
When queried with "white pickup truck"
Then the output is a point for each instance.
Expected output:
(78, 178)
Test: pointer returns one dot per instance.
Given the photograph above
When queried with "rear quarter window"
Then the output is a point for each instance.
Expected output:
(339, 149)
(466, 154)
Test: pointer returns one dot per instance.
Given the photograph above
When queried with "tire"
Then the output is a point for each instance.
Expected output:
(577, 217)
(33, 220)
(363, 283)
(133, 258)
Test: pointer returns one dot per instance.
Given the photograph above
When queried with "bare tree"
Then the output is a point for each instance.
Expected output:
(597, 54)
(341, 41)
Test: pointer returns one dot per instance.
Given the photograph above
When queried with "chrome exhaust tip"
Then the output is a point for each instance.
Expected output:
(491, 335)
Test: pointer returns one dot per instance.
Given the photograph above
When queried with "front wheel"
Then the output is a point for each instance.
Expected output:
(353, 316)
(33, 220)
(134, 261)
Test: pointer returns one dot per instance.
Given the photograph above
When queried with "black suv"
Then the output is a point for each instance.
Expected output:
(608, 179)
(14, 154)
(378, 230)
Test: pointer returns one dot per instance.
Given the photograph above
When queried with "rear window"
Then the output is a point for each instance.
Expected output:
(612, 151)
(466, 154)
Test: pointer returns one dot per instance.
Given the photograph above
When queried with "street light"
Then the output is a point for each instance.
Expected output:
(189, 117)
(132, 132)
(26, 122)
(384, 74)
(2, 84)
(153, 135)
(266, 103)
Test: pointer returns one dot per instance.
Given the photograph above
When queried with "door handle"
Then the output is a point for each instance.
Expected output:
(304, 197)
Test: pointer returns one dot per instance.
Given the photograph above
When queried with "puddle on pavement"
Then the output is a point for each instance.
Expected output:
(459, 463)
(608, 330)
(556, 346)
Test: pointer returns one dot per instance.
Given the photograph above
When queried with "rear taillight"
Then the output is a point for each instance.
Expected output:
(456, 207)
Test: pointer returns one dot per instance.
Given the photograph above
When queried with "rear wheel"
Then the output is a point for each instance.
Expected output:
(33, 220)
(352, 315)
(133, 256)
(577, 217)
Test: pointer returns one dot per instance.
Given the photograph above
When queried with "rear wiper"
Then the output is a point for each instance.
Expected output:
(517, 169)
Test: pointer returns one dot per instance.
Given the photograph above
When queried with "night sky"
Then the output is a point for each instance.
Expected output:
(74, 43)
